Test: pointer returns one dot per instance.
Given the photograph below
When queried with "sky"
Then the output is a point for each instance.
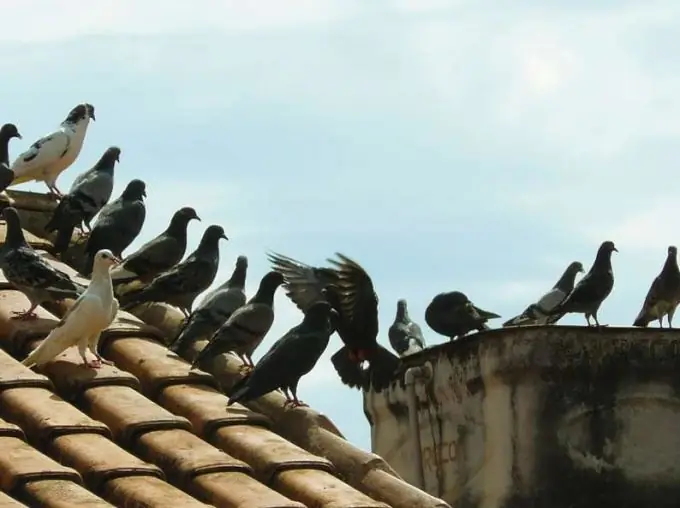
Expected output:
(444, 145)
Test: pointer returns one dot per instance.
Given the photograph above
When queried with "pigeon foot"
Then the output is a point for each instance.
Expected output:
(104, 361)
(293, 403)
(28, 315)
(93, 364)
(245, 369)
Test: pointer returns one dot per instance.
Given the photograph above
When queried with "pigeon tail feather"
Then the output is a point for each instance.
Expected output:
(46, 351)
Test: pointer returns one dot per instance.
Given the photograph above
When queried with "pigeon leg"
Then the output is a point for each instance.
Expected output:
(296, 402)
(669, 316)
(588, 319)
(661, 321)
(26, 315)
(82, 349)
(103, 360)
(247, 367)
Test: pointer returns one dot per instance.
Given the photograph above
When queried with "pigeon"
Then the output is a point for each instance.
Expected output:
(664, 294)
(539, 313)
(50, 155)
(180, 285)
(291, 357)
(453, 315)
(83, 323)
(405, 336)
(7, 132)
(30, 273)
(349, 290)
(89, 193)
(215, 309)
(159, 254)
(118, 223)
(593, 288)
(245, 329)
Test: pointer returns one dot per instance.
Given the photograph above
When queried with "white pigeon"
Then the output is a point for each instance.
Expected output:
(82, 325)
(46, 158)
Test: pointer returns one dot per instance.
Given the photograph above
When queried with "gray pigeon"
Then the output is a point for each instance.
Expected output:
(216, 308)
(7, 132)
(593, 288)
(664, 294)
(89, 193)
(118, 223)
(247, 326)
(454, 315)
(291, 357)
(29, 272)
(180, 285)
(539, 313)
(405, 336)
(159, 254)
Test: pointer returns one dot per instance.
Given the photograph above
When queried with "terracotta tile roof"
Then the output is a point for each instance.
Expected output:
(150, 433)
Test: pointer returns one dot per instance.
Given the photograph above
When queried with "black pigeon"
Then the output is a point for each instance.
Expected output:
(89, 193)
(664, 294)
(593, 288)
(7, 132)
(215, 309)
(247, 327)
(539, 313)
(118, 223)
(29, 272)
(453, 315)
(157, 255)
(349, 290)
(180, 285)
(405, 336)
(291, 357)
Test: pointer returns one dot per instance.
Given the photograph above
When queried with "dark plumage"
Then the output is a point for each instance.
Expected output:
(291, 357)
(349, 290)
(405, 336)
(29, 272)
(7, 132)
(664, 294)
(89, 193)
(180, 285)
(454, 315)
(118, 223)
(593, 288)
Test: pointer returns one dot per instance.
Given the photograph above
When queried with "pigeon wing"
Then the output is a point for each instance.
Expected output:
(44, 151)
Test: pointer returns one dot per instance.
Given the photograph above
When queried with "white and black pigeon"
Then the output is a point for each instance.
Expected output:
(84, 322)
(405, 336)
(48, 157)
(180, 285)
(7, 132)
(539, 313)
(89, 193)
(118, 223)
(215, 308)
(663, 296)
(29, 272)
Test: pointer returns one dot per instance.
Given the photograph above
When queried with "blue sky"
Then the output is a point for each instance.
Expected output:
(442, 144)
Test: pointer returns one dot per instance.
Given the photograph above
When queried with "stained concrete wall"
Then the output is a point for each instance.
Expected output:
(543, 416)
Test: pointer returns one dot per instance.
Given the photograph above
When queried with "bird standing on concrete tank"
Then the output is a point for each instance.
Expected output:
(48, 157)
(84, 322)
(291, 357)
(29, 272)
(180, 285)
(593, 288)
(539, 313)
(7, 132)
(664, 294)
(405, 336)
(453, 315)
(89, 192)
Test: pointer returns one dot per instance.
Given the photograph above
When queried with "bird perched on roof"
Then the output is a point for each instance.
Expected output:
(453, 315)
(89, 192)
(49, 156)
(83, 323)
(405, 336)
(180, 285)
(118, 223)
(539, 313)
(215, 308)
(7, 132)
(159, 254)
(291, 357)
(593, 288)
(664, 294)
(29, 272)
(349, 290)
(247, 327)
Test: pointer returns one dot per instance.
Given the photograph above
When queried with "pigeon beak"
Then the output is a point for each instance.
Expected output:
(224, 236)
(615, 249)
(18, 136)
(581, 270)
(92, 116)
(116, 261)
(197, 218)
(144, 193)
